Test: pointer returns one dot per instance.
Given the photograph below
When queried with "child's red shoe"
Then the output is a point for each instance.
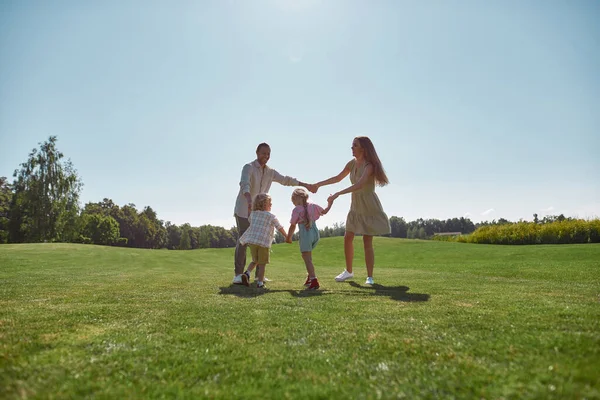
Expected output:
(307, 283)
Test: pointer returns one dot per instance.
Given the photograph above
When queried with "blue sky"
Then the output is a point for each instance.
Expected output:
(480, 109)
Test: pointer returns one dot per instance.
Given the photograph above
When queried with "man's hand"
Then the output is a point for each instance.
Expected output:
(249, 201)
(288, 239)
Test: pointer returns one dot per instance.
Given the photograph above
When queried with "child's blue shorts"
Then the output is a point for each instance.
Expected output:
(308, 237)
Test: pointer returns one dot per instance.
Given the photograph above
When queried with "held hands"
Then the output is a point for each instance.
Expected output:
(288, 239)
(332, 198)
(312, 188)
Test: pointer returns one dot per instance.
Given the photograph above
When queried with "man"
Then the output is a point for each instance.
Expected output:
(256, 178)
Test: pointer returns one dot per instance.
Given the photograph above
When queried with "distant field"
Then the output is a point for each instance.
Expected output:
(444, 320)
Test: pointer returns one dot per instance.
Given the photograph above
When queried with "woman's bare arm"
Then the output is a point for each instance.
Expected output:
(334, 179)
(357, 186)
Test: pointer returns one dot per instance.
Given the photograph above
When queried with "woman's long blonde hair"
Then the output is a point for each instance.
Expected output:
(372, 158)
(301, 194)
(261, 201)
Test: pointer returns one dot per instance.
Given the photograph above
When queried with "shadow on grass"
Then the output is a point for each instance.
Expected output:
(252, 291)
(398, 293)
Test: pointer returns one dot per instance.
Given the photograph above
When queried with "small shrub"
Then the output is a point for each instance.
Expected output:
(594, 226)
(558, 232)
(83, 239)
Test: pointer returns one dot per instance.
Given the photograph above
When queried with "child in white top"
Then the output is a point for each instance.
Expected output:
(259, 237)
(305, 214)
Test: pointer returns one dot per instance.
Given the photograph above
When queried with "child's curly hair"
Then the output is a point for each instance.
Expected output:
(261, 202)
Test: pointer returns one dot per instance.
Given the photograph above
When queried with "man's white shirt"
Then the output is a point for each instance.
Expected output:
(257, 179)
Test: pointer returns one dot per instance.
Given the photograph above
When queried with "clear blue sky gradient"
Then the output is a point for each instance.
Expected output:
(484, 109)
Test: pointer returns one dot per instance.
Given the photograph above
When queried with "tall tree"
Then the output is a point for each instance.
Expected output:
(399, 227)
(45, 204)
(185, 243)
(127, 217)
(173, 236)
(5, 199)
(156, 234)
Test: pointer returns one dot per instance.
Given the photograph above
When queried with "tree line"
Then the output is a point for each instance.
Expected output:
(42, 205)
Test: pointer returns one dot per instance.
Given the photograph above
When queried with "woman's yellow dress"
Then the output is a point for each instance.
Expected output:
(366, 216)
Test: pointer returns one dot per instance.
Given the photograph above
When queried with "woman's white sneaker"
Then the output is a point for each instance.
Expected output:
(343, 276)
(369, 281)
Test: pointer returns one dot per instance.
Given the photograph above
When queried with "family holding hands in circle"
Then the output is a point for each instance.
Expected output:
(256, 224)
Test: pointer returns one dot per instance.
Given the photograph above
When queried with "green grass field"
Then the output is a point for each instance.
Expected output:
(444, 320)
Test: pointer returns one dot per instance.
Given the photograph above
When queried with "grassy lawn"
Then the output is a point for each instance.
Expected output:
(444, 320)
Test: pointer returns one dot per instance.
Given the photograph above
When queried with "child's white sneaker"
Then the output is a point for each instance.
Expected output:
(344, 275)
(369, 281)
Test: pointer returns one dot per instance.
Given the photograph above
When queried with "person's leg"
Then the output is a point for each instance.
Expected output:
(349, 255)
(369, 254)
(262, 261)
(250, 268)
(349, 249)
(310, 268)
(240, 249)
(260, 270)
(246, 275)
(312, 283)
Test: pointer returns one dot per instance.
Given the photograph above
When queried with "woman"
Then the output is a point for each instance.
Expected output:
(366, 216)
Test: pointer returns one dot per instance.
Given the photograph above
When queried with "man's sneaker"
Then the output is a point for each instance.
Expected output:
(307, 283)
(369, 281)
(343, 276)
(265, 279)
(262, 287)
(314, 284)
(237, 280)
(245, 280)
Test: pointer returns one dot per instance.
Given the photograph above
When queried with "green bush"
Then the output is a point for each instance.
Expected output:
(83, 239)
(446, 238)
(594, 226)
(557, 232)
(100, 229)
